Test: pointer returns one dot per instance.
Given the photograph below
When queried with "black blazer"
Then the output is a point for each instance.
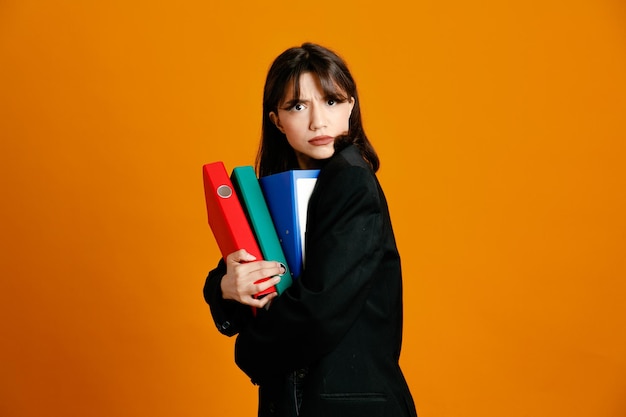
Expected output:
(335, 335)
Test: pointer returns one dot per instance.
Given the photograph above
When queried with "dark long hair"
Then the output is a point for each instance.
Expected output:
(275, 154)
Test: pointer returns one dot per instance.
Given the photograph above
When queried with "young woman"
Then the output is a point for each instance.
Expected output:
(329, 345)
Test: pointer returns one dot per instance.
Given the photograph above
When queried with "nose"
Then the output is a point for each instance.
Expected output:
(318, 117)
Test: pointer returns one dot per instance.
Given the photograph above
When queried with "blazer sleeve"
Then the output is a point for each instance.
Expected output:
(343, 251)
(229, 316)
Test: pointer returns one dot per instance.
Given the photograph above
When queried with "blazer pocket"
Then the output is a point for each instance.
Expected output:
(354, 404)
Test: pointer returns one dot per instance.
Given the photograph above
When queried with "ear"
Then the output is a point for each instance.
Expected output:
(352, 101)
(274, 118)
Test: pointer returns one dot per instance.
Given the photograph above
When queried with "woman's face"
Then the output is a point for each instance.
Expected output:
(313, 121)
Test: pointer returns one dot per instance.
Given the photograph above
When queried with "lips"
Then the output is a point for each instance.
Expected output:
(321, 140)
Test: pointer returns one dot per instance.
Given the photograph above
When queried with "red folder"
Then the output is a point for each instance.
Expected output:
(226, 216)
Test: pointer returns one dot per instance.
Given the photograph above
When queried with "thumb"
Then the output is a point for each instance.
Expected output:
(240, 256)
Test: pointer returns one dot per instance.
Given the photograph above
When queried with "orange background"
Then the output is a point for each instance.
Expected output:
(501, 128)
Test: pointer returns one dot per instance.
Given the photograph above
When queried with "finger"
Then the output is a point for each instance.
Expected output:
(253, 272)
(261, 286)
(268, 268)
(259, 302)
(267, 299)
(240, 256)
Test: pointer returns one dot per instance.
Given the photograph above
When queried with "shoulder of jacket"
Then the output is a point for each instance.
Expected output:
(353, 156)
(350, 156)
(346, 168)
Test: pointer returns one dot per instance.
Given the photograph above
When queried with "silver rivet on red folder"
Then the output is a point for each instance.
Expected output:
(224, 191)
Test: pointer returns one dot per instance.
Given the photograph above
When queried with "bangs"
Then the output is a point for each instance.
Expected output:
(333, 87)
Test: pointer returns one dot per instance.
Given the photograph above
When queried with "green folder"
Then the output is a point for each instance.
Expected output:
(253, 202)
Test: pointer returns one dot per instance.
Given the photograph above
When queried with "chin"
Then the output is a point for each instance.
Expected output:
(325, 154)
(313, 160)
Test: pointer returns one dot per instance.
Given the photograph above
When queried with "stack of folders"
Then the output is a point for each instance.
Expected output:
(266, 217)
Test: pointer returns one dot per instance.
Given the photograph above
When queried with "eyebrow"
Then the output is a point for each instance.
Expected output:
(290, 103)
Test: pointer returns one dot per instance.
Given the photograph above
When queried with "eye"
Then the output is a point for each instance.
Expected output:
(297, 107)
(334, 100)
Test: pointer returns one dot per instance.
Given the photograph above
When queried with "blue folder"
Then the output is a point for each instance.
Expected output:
(287, 196)
(247, 187)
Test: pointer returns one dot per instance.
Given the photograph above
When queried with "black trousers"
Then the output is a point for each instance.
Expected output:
(282, 398)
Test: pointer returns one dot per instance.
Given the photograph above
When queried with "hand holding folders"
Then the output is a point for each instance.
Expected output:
(240, 218)
(246, 278)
